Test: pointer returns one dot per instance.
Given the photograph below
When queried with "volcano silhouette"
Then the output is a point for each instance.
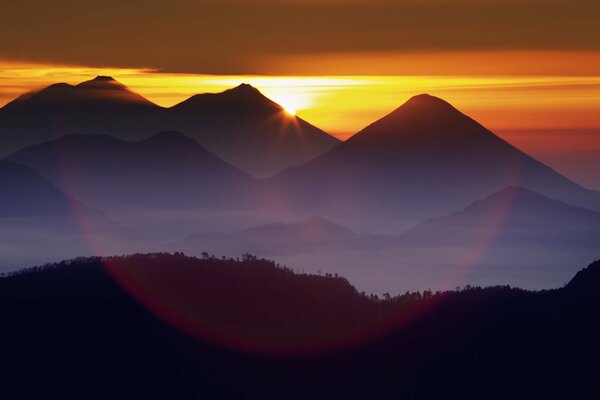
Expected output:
(239, 125)
(424, 159)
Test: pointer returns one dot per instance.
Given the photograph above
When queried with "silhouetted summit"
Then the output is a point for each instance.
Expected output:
(240, 125)
(103, 78)
(245, 89)
(254, 133)
(429, 125)
(244, 99)
(428, 103)
(99, 93)
(103, 82)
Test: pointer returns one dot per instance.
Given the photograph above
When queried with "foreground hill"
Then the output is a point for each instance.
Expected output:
(74, 331)
(424, 159)
(239, 125)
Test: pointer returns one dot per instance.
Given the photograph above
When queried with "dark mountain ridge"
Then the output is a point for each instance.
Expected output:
(165, 171)
(73, 320)
(231, 101)
(25, 193)
(40, 222)
(240, 125)
(102, 92)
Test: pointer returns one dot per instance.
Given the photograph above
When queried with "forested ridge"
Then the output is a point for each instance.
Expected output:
(167, 325)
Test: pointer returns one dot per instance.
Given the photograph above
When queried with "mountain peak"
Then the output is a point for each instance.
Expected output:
(427, 123)
(104, 78)
(243, 97)
(247, 92)
(427, 105)
(426, 99)
(103, 82)
(245, 87)
(102, 91)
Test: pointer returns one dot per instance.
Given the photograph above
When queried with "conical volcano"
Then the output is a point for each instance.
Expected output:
(424, 159)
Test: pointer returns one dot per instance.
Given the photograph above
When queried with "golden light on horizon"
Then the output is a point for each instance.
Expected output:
(342, 105)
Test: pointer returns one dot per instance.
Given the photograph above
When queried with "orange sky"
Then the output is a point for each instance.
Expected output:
(513, 65)
(343, 104)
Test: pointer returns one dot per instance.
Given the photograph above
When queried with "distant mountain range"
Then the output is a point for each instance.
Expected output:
(309, 236)
(239, 125)
(514, 236)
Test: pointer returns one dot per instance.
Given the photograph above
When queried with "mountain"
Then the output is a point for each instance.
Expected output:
(309, 236)
(252, 131)
(99, 106)
(169, 326)
(514, 236)
(100, 93)
(239, 125)
(166, 171)
(24, 193)
(424, 159)
(40, 223)
(515, 210)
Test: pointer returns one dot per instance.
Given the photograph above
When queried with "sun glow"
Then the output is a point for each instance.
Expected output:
(342, 105)
(291, 102)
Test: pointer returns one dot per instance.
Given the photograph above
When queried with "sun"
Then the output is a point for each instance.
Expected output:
(291, 100)
(289, 110)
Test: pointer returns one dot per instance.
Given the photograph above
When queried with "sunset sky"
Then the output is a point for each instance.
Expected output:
(512, 65)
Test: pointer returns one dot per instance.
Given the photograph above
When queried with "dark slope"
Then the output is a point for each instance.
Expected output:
(239, 125)
(100, 93)
(73, 331)
(99, 106)
(40, 222)
(424, 159)
(255, 133)
(168, 170)
(516, 215)
(514, 236)
(24, 193)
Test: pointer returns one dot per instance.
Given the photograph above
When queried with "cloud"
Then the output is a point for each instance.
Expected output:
(235, 36)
